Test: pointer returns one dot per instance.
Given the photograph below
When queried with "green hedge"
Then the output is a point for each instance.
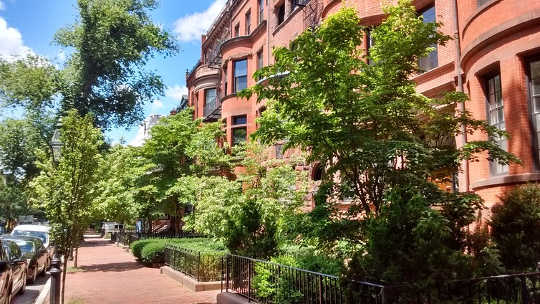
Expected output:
(151, 251)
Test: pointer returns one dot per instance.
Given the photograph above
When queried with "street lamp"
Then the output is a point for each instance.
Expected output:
(56, 143)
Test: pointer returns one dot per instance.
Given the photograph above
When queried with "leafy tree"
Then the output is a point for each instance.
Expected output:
(65, 190)
(18, 142)
(112, 41)
(12, 201)
(110, 44)
(181, 147)
(366, 123)
(123, 176)
(250, 214)
(515, 224)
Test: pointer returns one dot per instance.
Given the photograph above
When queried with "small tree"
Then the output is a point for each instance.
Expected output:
(515, 227)
(65, 189)
(366, 123)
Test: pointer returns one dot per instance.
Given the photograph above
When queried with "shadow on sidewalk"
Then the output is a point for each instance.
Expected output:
(112, 267)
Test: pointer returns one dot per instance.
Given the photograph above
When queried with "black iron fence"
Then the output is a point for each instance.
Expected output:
(267, 282)
(512, 288)
(202, 266)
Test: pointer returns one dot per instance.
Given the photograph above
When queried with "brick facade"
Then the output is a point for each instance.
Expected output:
(495, 37)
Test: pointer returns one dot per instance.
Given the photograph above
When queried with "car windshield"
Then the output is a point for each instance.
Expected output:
(26, 247)
(41, 235)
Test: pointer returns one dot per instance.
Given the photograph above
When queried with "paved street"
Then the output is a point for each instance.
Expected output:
(32, 291)
(112, 275)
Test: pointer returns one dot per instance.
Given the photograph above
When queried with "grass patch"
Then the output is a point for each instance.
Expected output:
(76, 301)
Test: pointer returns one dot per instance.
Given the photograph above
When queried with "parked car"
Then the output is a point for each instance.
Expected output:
(39, 231)
(5, 277)
(35, 254)
(18, 267)
(109, 228)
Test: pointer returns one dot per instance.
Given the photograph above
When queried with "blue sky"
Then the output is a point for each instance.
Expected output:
(28, 26)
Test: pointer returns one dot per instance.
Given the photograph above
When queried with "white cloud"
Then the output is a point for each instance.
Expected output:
(157, 104)
(11, 43)
(191, 27)
(138, 140)
(176, 92)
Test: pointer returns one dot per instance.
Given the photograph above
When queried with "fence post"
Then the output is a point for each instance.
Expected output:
(524, 291)
(222, 274)
(199, 267)
(54, 296)
(228, 271)
(249, 280)
(320, 290)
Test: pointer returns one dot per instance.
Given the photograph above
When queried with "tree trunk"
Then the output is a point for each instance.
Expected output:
(75, 262)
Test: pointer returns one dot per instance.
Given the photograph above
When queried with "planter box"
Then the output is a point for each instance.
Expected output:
(189, 282)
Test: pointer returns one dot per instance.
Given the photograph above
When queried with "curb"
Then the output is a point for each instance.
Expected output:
(43, 297)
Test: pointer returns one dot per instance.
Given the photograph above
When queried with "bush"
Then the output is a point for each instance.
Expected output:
(516, 228)
(137, 246)
(151, 251)
(412, 242)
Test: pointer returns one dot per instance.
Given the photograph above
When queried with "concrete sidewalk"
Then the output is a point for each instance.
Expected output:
(109, 274)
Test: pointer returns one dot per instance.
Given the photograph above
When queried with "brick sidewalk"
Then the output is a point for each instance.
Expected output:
(112, 275)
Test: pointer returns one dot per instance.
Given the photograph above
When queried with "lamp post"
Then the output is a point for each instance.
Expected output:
(56, 143)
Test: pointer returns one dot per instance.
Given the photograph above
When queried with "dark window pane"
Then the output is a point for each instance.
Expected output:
(281, 14)
(209, 101)
(481, 2)
(261, 11)
(240, 75)
(431, 61)
(495, 109)
(239, 135)
(248, 22)
(239, 120)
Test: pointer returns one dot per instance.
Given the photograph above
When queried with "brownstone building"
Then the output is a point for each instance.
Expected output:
(495, 59)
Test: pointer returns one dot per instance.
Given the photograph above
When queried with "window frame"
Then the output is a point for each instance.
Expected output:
(237, 30)
(480, 3)
(233, 142)
(235, 77)
(280, 14)
(260, 11)
(247, 24)
(206, 100)
(495, 169)
(435, 53)
(234, 117)
(535, 127)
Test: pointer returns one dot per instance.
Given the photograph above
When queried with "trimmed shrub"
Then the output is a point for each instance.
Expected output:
(137, 246)
(516, 228)
(153, 253)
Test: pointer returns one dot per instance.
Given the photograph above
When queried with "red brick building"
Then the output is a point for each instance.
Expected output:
(496, 61)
